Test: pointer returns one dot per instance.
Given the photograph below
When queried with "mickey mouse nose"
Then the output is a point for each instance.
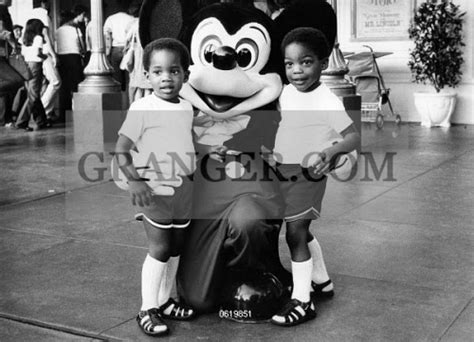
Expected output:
(224, 58)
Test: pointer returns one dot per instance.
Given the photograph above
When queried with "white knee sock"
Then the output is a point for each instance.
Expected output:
(320, 274)
(301, 279)
(169, 280)
(152, 275)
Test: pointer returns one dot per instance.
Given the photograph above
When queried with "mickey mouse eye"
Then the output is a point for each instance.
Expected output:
(208, 51)
(247, 54)
(244, 57)
(208, 48)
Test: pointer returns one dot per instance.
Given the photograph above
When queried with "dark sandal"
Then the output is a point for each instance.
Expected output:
(177, 311)
(318, 290)
(294, 312)
(151, 323)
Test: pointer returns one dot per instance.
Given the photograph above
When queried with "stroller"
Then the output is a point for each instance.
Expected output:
(365, 74)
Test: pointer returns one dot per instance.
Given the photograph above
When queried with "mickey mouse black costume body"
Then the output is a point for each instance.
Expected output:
(234, 83)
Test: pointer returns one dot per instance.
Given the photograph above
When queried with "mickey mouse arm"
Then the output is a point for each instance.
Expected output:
(270, 92)
(271, 89)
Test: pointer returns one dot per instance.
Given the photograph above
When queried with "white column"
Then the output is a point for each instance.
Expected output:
(98, 72)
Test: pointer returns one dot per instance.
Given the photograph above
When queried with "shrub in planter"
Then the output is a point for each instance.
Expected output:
(437, 32)
(436, 59)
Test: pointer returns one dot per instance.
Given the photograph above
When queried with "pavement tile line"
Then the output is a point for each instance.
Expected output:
(40, 198)
(104, 332)
(55, 327)
(455, 319)
(407, 181)
(68, 238)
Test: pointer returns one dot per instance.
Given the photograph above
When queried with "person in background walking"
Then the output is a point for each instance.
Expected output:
(139, 86)
(8, 44)
(32, 50)
(116, 27)
(71, 51)
(51, 75)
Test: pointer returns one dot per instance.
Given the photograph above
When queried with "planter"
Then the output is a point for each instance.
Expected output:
(435, 109)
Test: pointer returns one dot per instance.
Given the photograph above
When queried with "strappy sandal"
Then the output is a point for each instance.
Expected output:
(294, 313)
(151, 323)
(177, 311)
(318, 290)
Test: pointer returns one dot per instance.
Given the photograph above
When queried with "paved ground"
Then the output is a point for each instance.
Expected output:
(399, 249)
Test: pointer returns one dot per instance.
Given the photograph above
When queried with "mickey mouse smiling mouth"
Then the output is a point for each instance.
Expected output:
(225, 79)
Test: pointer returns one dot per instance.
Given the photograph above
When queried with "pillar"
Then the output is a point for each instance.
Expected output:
(99, 105)
(334, 78)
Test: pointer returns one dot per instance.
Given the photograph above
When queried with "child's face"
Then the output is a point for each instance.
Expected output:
(166, 74)
(17, 33)
(303, 67)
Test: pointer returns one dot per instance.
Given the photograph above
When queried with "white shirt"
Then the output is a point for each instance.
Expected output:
(31, 53)
(41, 14)
(67, 40)
(161, 131)
(308, 122)
(118, 25)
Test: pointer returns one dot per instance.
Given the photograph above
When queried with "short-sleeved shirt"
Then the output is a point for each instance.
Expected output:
(308, 122)
(31, 52)
(68, 40)
(118, 25)
(162, 133)
(41, 14)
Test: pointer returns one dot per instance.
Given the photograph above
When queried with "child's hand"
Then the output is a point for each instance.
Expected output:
(217, 152)
(320, 163)
(140, 193)
(268, 156)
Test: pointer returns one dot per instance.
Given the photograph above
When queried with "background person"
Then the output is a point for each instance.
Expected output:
(116, 27)
(8, 44)
(52, 80)
(32, 50)
(17, 32)
(138, 86)
(71, 52)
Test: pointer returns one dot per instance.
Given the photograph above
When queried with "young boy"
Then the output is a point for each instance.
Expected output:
(311, 116)
(159, 126)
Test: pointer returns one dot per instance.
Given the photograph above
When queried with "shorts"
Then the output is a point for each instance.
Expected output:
(302, 192)
(170, 211)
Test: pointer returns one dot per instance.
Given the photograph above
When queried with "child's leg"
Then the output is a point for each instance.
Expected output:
(300, 309)
(320, 274)
(159, 241)
(301, 262)
(177, 240)
(168, 306)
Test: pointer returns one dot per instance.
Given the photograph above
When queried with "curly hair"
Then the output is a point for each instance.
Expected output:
(169, 44)
(311, 38)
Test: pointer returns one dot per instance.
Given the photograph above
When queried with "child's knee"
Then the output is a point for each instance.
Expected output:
(296, 235)
(159, 251)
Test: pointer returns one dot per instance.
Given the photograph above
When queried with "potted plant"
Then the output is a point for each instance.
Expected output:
(436, 59)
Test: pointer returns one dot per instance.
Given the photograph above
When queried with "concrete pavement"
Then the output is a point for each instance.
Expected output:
(399, 249)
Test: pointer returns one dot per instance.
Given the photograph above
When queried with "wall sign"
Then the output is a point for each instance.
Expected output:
(381, 19)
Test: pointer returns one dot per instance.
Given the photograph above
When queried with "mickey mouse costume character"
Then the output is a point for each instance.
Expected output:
(234, 82)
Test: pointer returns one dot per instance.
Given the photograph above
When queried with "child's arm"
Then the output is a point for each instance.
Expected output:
(140, 192)
(351, 139)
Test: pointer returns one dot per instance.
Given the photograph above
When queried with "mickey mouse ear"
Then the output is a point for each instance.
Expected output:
(318, 14)
(160, 18)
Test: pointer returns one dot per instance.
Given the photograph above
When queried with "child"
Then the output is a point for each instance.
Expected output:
(311, 115)
(32, 50)
(159, 126)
